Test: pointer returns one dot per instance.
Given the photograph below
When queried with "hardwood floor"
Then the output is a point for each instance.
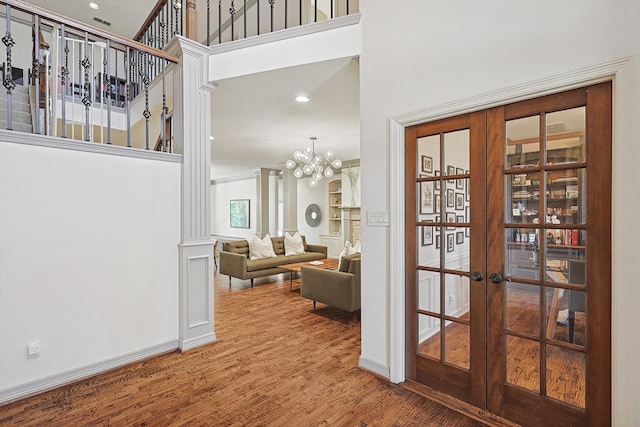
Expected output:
(276, 363)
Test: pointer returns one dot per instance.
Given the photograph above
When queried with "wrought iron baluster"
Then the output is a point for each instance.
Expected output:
(315, 11)
(86, 100)
(258, 15)
(8, 82)
(286, 13)
(271, 3)
(219, 21)
(145, 80)
(300, 11)
(108, 74)
(208, 24)
(36, 68)
(331, 1)
(127, 94)
(181, 20)
(347, 7)
(64, 74)
(164, 106)
(232, 12)
(244, 18)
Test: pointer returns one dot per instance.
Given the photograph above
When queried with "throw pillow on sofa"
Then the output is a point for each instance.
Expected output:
(348, 250)
(293, 245)
(261, 248)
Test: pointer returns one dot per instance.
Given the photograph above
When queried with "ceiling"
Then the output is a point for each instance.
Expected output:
(256, 122)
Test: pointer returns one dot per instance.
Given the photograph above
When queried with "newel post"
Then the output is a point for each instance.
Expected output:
(192, 20)
(192, 120)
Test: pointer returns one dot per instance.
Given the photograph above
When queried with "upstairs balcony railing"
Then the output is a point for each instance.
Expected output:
(87, 84)
(229, 20)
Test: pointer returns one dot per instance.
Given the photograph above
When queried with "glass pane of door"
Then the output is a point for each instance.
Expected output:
(545, 251)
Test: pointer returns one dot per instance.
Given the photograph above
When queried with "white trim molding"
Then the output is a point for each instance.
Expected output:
(579, 78)
(39, 386)
(374, 367)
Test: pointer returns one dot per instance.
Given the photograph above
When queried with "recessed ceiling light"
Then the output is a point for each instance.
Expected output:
(302, 98)
(92, 5)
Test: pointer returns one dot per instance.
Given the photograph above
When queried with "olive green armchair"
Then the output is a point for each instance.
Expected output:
(337, 288)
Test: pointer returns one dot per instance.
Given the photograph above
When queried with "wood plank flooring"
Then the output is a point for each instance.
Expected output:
(276, 363)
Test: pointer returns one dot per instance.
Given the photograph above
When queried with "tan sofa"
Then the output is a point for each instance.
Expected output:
(235, 262)
(340, 289)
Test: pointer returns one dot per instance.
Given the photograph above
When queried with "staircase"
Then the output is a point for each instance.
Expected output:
(21, 111)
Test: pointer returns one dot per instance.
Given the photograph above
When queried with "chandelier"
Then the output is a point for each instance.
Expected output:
(308, 163)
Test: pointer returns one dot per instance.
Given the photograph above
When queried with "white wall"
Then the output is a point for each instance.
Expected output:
(221, 194)
(444, 51)
(88, 259)
(319, 196)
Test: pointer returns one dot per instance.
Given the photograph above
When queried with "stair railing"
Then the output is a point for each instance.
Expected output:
(231, 20)
(82, 82)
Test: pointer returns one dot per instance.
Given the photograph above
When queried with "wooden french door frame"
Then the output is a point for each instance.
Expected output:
(507, 400)
(498, 397)
(470, 385)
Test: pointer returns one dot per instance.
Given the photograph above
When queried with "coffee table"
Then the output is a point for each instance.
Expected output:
(326, 263)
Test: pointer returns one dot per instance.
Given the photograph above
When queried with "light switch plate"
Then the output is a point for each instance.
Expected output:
(378, 218)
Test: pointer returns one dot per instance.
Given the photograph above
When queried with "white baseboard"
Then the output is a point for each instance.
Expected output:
(186, 345)
(38, 386)
(375, 367)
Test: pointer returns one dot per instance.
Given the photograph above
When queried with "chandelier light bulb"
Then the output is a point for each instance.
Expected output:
(309, 163)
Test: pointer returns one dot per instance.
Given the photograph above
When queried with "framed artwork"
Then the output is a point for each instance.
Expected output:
(460, 237)
(460, 218)
(451, 171)
(459, 201)
(427, 164)
(427, 198)
(451, 217)
(437, 203)
(437, 241)
(239, 213)
(460, 181)
(427, 235)
(450, 244)
(450, 198)
(466, 189)
(437, 173)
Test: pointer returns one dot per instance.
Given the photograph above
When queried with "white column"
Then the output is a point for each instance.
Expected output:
(192, 120)
(262, 202)
(273, 201)
(290, 202)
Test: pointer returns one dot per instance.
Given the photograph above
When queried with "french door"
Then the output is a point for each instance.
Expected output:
(508, 258)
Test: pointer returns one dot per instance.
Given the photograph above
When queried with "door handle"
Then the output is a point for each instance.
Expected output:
(496, 278)
(476, 276)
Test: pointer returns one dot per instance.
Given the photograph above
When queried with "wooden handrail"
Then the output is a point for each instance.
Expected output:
(54, 17)
(154, 12)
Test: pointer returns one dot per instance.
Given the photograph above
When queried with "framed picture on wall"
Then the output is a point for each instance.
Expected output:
(427, 164)
(450, 244)
(459, 201)
(460, 237)
(239, 213)
(451, 170)
(437, 241)
(427, 198)
(451, 217)
(451, 201)
(437, 173)
(460, 181)
(427, 235)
